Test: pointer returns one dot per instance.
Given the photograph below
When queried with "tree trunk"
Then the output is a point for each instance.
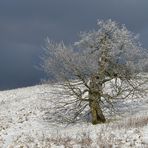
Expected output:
(96, 84)
(94, 100)
(96, 112)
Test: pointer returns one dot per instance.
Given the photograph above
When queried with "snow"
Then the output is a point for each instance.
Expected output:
(24, 123)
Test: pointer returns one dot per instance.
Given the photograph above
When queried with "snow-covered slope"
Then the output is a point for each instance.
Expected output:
(24, 123)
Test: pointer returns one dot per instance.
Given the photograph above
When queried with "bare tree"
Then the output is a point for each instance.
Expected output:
(103, 66)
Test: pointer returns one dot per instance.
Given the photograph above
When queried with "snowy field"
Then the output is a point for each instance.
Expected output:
(24, 123)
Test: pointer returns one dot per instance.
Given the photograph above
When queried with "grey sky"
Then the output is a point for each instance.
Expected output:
(24, 24)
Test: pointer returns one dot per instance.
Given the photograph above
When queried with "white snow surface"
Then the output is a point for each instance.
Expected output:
(23, 123)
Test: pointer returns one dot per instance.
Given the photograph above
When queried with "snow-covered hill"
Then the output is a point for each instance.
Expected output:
(24, 123)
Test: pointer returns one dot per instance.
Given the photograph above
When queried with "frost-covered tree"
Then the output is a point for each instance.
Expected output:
(103, 66)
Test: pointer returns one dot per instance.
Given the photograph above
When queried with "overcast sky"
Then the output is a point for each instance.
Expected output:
(24, 25)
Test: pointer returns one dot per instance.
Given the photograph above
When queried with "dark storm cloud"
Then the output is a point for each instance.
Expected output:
(25, 24)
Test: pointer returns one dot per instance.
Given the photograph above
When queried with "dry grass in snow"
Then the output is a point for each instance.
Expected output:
(24, 123)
